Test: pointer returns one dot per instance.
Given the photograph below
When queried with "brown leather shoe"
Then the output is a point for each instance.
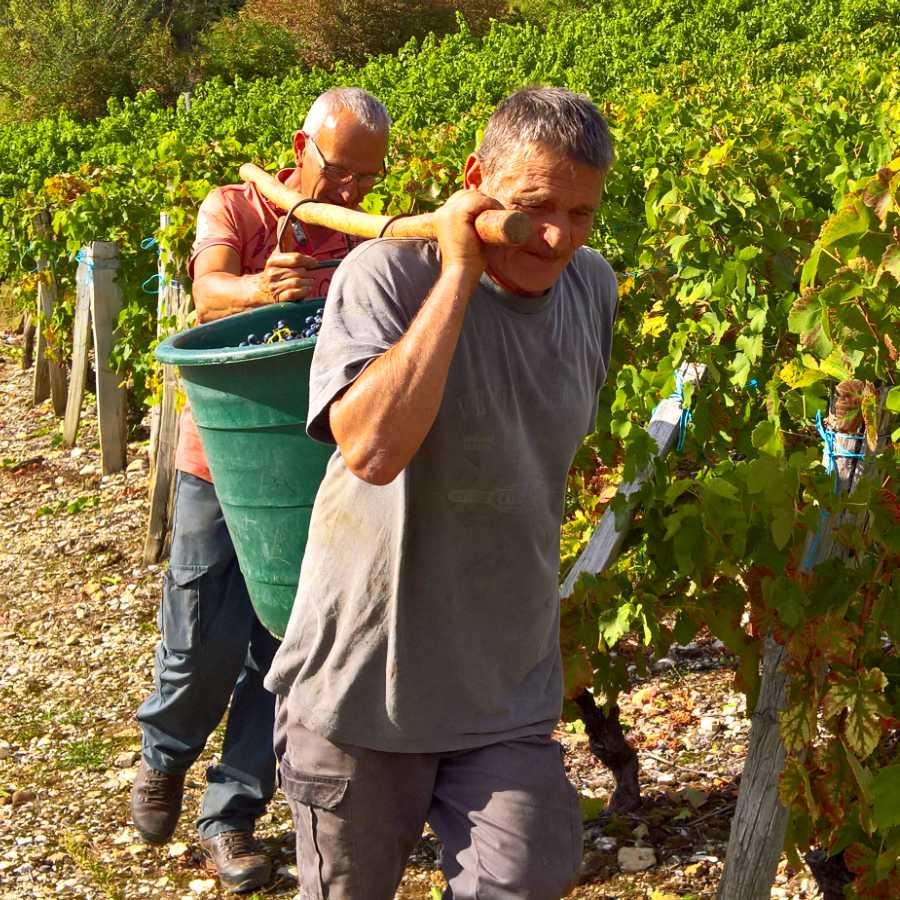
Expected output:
(156, 803)
(239, 860)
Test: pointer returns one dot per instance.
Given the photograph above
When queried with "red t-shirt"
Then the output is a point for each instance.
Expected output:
(240, 217)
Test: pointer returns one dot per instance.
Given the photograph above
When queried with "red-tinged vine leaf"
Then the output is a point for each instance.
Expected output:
(886, 791)
(861, 697)
(863, 862)
(859, 859)
(798, 723)
(832, 785)
(794, 788)
(829, 637)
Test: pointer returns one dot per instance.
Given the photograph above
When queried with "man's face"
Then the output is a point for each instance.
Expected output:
(558, 194)
(343, 161)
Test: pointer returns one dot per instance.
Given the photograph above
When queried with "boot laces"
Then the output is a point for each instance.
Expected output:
(158, 786)
(239, 843)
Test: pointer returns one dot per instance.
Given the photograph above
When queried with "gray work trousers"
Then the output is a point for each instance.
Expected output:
(213, 650)
(509, 820)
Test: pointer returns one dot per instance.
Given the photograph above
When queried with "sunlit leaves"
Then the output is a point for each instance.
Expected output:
(859, 700)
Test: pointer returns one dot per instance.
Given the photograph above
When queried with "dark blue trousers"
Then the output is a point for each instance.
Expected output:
(213, 650)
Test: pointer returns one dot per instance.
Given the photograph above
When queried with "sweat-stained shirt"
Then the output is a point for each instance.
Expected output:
(427, 614)
(240, 217)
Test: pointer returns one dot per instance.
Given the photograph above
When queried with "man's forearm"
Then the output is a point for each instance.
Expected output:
(385, 415)
(220, 294)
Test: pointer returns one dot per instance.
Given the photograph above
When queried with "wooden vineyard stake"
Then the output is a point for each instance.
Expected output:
(81, 341)
(174, 301)
(106, 301)
(49, 378)
(606, 541)
(28, 329)
(760, 821)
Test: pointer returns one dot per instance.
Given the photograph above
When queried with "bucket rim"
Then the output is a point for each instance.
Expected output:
(169, 354)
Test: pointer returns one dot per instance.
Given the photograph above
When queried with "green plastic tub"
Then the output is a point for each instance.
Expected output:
(250, 407)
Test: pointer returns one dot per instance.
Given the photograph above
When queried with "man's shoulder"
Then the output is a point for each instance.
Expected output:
(592, 279)
(228, 195)
(395, 260)
(593, 265)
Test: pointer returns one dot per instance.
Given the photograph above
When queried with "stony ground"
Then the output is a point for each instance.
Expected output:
(77, 633)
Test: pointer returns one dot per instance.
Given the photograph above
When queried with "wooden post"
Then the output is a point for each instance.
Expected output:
(81, 341)
(174, 301)
(606, 541)
(49, 374)
(760, 821)
(28, 329)
(106, 301)
(162, 312)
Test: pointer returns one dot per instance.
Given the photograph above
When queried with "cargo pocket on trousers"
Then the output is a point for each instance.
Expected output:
(321, 810)
(181, 607)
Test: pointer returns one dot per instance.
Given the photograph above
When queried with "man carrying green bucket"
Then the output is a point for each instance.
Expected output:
(214, 651)
(420, 676)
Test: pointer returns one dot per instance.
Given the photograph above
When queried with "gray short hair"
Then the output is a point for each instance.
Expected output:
(562, 120)
(370, 111)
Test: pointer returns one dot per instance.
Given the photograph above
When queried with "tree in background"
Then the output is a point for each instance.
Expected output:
(329, 30)
(75, 54)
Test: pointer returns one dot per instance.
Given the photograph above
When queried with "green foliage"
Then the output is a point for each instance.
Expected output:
(753, 212)
(239, 47)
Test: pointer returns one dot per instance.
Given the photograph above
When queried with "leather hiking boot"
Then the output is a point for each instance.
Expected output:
(156, 803)
(239, 860)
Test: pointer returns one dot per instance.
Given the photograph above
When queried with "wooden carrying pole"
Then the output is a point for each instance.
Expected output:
(494, 226)
(760, 821)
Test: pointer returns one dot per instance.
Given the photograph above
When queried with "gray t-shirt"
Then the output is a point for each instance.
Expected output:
(427, 614)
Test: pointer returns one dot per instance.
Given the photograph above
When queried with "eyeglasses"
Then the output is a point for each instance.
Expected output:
(339, 175)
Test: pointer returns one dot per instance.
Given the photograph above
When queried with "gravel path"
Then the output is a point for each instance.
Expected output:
(77, 634)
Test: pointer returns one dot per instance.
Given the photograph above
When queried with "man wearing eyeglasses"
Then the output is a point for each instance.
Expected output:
(214, 651)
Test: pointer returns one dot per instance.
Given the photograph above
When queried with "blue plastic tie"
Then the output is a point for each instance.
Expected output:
(831, 457)
(148, 243)
(160, 283)
(827, 435)
(686, 416)
(753, 384)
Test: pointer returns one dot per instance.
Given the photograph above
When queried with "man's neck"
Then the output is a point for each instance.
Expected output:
(509, 288)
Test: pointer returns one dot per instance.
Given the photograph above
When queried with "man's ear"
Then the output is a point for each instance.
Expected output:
(473, 174)
(299, 146)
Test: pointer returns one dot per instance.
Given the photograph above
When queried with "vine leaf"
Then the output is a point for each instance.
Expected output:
(798, 724)
(862, 699)
(794, 788)
(852, 220)
(886, 790)
(890, 262)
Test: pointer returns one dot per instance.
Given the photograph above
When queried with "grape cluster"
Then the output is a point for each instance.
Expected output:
(282, 332)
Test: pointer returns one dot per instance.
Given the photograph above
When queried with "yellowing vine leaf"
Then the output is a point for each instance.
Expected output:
(861, 698)
(798, 724)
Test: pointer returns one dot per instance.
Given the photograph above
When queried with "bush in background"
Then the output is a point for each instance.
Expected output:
(351, 30)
